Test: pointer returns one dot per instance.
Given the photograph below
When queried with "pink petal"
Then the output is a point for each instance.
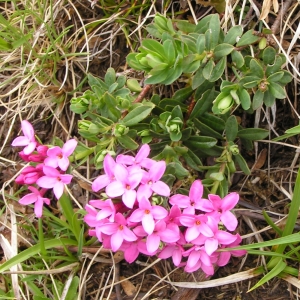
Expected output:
(129, 198)
(109, 165)
(58, 189)
(51, 162)
(116, 240)
(121, 173)
(115, 189)
(204, 205)
(167, 251)
(125, 159)
(144, 191)
(51, 172)
(229, 220)
(159, 212)
(177, 257)
(205, 230)
(196, 190)
(131, 253)
(169, 236)
(38, 207)
(225, 238)
(205, 258)
(142, 153)
(230, 201)
(193, 258)
(216, 200)
(28, 199)
(134, 179)
(100, 182)
(20, 141)
(223, 259)
(211, 245)
(187, 221)
(157, 170)
(63, 163)
(152, 242)
(161, 188)
(137, 215)
(69, 147)
(46, 182)
(54, 152)
(29, 148)
(191, 233)
(27, 129)
(129, 235)
(181, 200)
(66, 178)
(208, 270)
(148, 223)
(109, 228)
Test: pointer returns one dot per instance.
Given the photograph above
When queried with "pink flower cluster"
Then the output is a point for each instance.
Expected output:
(191, 230)
(47, 169)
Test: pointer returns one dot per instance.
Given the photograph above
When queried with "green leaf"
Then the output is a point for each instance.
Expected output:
(213, 121)
(232, 34)
(198, 79)
(34, 250)
(257, 99)
(286, 78)
(253, 133)
(133, 85)
(170, 52)
(127, 143)
(203, 104)
(200, 44)
(231, 128)
(269, 99)
(154, 46)
(275, 77)
(247, 38)
(206, 130)
(280, 266)
(242, 163)
(190, 64)
(256, 68)
(207, 71)
(110, 76)
(200, 142)
(192, 160)
(73, 289)
(137, 114)
(269, 55)
(222, 50)
(218, 70)
(244, 99)
(214, 27)
(185, 26)
(237, 59)
(276, 90)
(183, 94)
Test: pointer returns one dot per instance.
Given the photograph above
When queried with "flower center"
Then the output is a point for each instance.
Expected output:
(128, 187)
(147, 211)
(198, 222)
(121, 227)
(60, 156)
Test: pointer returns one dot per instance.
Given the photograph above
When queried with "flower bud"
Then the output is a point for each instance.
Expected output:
(120, 130)
(225, 102)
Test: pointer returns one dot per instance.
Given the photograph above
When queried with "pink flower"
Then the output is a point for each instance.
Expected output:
(193, 201)
(59, 157)
(151, 183)
(30, 174)
(196, 226)
(107, 209)
(212, 243)
(147, 214)
(222, 209)
(198, 258)
(28, 140)
(118, 231)
(124, 185)
(103, 180)
(37, 198)
(54, 179)
(141, 159)
(161, 233)
(225, 256)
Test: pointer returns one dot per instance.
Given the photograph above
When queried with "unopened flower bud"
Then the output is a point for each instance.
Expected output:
(225, 102)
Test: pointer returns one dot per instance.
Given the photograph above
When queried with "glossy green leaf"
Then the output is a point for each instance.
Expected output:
(183, 94)
(242, 163)
(277, 90)
(231, 128)
(247, 38)
(213, 121)
(253, 133)
(269, 55)
(198, 142)
(170, 52)
(192, 160)
(244, 99)
(154, 46)
(203, 104)
(137, 114)
(206, 130)
(257, 99)
(133, 85)
(275, 77)
(233, 34)
(222, 50)
(286, 78)
(198, 79)
(271, 69)
(218, 70)
(190, 64)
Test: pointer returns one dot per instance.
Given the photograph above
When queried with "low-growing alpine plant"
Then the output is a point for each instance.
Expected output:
(167, 160)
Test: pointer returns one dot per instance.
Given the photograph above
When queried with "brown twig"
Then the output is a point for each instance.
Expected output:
(276, 25)
(117, 277)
